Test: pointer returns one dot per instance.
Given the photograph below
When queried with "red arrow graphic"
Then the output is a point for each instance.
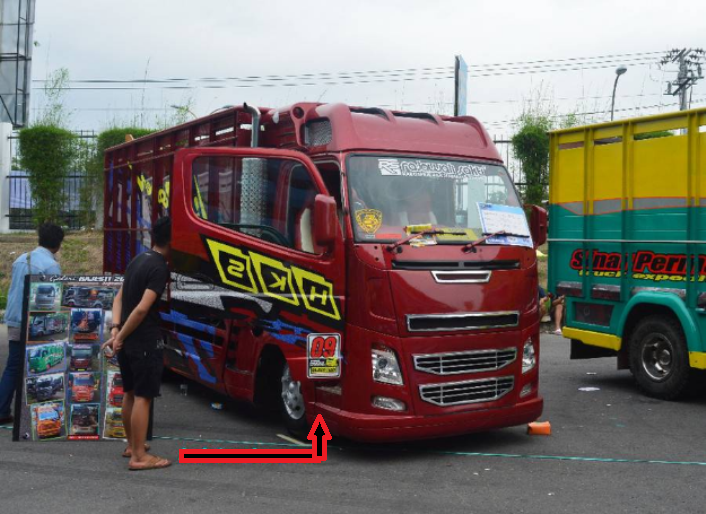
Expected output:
(319, 436)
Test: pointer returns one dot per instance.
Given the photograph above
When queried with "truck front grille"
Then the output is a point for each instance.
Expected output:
(470, 391)
(464, 362)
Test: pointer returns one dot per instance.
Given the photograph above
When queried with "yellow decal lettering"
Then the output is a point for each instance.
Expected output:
(163, 196)
(280, 282)
(275, 278)
(317, 293)
(233, 266)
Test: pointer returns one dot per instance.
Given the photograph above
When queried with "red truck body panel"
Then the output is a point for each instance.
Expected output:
(223, 325)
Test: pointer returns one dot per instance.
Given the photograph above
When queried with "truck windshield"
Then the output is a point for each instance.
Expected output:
(48, 414)
(45, 290)
(388, 194)
(82, 353)
(84, 381)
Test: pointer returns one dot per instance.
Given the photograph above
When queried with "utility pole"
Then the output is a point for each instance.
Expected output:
(690, 72)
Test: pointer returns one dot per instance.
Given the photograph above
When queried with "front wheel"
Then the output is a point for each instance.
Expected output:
(659, 358)
(292, 403)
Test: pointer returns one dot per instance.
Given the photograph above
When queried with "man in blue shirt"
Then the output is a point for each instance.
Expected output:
(39, 261)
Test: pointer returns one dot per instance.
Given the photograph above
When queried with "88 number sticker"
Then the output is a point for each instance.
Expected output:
(323, 353)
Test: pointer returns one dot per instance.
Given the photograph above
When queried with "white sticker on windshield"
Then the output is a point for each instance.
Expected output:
(430, 169)
(511, 220)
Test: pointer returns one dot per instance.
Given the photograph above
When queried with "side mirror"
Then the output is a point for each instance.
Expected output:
(325, 221)
(538, 225)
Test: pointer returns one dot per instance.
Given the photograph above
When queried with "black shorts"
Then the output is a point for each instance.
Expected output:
(141, 370)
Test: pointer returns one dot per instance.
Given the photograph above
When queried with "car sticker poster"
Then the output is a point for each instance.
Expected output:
(69, 389)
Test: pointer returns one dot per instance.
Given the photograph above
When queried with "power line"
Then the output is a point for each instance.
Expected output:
(588, 113)
(549, 64)
(689, 73)
(325, 82)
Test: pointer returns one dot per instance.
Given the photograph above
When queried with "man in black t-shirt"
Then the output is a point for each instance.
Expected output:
(137, 338)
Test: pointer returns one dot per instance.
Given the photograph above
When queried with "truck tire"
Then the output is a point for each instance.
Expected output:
(659, 358)
(292, 404)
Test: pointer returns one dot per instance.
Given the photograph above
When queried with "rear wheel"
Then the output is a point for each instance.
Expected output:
(659, 359)
(292, 403)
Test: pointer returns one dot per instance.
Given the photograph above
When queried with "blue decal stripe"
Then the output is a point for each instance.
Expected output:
(277, 327)
(179, 318)
(191, 352)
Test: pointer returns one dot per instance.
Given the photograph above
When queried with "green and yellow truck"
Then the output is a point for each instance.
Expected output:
(46, 357)
(627, 245)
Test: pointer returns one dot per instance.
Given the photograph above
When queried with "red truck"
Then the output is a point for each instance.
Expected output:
(364, 264)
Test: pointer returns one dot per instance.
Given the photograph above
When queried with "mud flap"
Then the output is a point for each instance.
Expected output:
(580, 351)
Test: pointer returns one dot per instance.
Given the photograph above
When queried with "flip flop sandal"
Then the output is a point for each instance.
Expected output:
(128, 452)
(154, 463)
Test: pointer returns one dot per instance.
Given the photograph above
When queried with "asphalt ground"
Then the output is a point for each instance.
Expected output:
(611, 450)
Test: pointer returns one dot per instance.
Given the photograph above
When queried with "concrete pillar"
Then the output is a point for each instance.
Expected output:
(5, 167)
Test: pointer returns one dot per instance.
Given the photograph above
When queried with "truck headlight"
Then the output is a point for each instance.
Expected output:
(529, 358)
(386, 368)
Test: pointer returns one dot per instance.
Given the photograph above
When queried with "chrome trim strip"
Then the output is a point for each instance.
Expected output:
(483, 383)
(411, 317)
(482, 277)
(470, 355)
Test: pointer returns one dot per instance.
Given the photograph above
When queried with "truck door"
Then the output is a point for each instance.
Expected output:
(257, 232)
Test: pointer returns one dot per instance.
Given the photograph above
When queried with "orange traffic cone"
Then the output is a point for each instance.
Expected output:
(539, 428)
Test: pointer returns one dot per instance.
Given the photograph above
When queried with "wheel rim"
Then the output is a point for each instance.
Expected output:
(292, 397)
(658, 357)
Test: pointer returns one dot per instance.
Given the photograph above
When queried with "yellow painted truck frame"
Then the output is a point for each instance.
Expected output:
(627, 245)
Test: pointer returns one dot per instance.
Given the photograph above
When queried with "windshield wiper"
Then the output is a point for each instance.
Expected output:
(472, 246)
(429, 232)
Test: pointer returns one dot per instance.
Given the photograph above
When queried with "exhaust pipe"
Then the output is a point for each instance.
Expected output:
(255, 132)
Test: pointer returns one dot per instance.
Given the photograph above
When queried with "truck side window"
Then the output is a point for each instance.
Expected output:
(271, 199)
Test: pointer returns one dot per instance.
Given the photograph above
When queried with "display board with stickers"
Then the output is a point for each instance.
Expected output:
(69, 389)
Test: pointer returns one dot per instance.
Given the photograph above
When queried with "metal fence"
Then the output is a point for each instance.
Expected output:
(21, 212)
(73, 215)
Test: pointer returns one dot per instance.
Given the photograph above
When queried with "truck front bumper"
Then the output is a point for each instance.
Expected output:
(391, 427)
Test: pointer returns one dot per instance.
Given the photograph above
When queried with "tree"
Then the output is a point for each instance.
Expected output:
(531, 147)
(47, 154)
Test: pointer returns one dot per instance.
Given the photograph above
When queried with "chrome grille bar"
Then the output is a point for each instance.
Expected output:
(455, 363)
(470, 391)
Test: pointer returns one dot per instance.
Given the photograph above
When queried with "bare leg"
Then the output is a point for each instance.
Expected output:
(139, 421)
(128, 402)
(558, 316)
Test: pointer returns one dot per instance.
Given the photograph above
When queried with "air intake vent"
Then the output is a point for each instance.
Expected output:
(317, 132)
(471, 391)
(375, 111)
(417, 115)
(452, 322)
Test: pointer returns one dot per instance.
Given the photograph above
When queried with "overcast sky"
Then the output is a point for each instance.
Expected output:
(189, 39)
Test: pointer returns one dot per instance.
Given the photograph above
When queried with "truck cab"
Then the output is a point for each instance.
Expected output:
(45, 296)
(83, 387)
(81, 357)
(370, 265)
(48, 421)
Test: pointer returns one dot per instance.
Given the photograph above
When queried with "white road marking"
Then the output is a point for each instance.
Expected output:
(291, 440)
